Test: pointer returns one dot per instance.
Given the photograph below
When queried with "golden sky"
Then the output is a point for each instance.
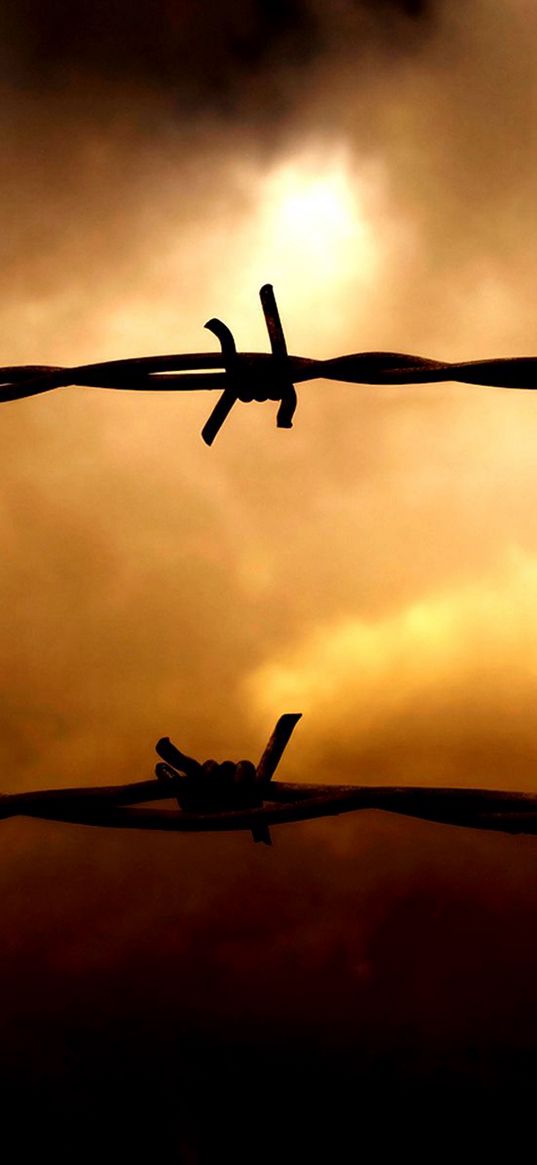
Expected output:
(376, 567)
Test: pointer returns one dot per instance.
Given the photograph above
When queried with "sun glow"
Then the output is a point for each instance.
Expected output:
(314, 214)
(312, 231)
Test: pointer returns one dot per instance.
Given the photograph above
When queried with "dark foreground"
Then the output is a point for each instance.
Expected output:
(366, 987)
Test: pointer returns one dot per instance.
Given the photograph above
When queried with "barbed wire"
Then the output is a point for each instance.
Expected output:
(233, 796)
(261, 376)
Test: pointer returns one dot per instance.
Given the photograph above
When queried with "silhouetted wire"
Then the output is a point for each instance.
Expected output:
(245, 377)
(261, 376)
(286, 803)
(234, 796)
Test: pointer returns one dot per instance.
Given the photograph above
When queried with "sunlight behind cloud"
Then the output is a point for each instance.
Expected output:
(313, 234)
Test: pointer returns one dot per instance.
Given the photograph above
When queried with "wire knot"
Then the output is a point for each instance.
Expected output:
(216, 787)
(278, 386)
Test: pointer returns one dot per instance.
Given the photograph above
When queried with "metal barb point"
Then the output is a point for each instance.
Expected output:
(237, 388)
(220, 797)
(288, 397)
(248, 376)
(224, 786)
(229, 396)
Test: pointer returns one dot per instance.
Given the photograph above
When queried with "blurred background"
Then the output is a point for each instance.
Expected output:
(375, 568)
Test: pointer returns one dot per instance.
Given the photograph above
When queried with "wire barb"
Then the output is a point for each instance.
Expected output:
(227, 785)
(240, 796)
(261, 376)
(289, 401)
(230, 394)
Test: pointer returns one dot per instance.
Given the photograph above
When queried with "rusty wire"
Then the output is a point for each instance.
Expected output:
(261, 376)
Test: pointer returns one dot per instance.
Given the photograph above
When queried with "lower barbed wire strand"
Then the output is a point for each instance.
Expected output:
(109, 807)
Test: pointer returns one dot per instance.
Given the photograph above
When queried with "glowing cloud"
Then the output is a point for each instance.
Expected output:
(408, 690)
(311, 230)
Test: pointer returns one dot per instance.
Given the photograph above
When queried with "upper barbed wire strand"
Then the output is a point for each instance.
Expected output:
(148, 373)
(261, 376)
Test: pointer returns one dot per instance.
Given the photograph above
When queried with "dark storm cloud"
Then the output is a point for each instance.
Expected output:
(245, 59)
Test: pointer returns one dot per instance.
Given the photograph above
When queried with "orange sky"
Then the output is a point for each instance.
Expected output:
(377, 566)
(374, 568)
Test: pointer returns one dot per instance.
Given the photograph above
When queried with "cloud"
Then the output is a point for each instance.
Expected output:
(376, 567)
(222, 59)
(440, 691)
(146, 579)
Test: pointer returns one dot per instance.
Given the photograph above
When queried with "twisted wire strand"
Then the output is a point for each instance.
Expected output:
(261, 376)
(400, 368)
(112, 807)
(182, 372)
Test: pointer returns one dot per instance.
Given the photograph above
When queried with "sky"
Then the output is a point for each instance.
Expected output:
(374, 568)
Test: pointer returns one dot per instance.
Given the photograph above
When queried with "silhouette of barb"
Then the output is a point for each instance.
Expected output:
(225, 797)
(261, 376)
